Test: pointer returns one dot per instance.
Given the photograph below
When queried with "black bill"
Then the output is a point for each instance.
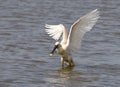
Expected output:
(51, 53)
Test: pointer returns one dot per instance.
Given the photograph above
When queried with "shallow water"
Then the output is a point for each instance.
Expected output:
(24, 45)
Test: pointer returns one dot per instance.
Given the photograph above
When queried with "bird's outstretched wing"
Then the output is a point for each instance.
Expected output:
(55, 31)
(80, 27)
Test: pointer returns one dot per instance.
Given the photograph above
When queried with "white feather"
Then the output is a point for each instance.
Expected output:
(79, 28)
(55, 31)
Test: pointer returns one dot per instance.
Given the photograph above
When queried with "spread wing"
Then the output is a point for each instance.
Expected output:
(80, 27)
(55, 31)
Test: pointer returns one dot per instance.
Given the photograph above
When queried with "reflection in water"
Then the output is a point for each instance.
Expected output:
(70, 77)
(92, 76)
(59, 77)
(66, 70)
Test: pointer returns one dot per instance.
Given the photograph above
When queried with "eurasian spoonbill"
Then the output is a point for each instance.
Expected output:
(72, 41)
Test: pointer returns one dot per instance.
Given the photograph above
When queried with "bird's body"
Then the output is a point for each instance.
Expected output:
(72, 41)
(65, 56)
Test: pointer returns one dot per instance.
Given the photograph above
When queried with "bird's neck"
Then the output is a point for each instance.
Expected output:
(64, 37)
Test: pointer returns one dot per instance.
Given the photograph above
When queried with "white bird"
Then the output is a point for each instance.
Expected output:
(71, 42)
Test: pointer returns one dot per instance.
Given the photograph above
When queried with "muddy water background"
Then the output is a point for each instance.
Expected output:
(24, 45)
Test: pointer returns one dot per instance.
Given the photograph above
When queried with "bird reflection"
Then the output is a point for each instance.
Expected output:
(66, 70)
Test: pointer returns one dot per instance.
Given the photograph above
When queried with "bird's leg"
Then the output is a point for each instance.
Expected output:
(67, 60)
(71, 62)
(62, 62)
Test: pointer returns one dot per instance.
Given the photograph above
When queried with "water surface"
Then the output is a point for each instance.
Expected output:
(24, 45)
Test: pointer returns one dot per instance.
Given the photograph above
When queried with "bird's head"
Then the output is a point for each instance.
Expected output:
(55, 47)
